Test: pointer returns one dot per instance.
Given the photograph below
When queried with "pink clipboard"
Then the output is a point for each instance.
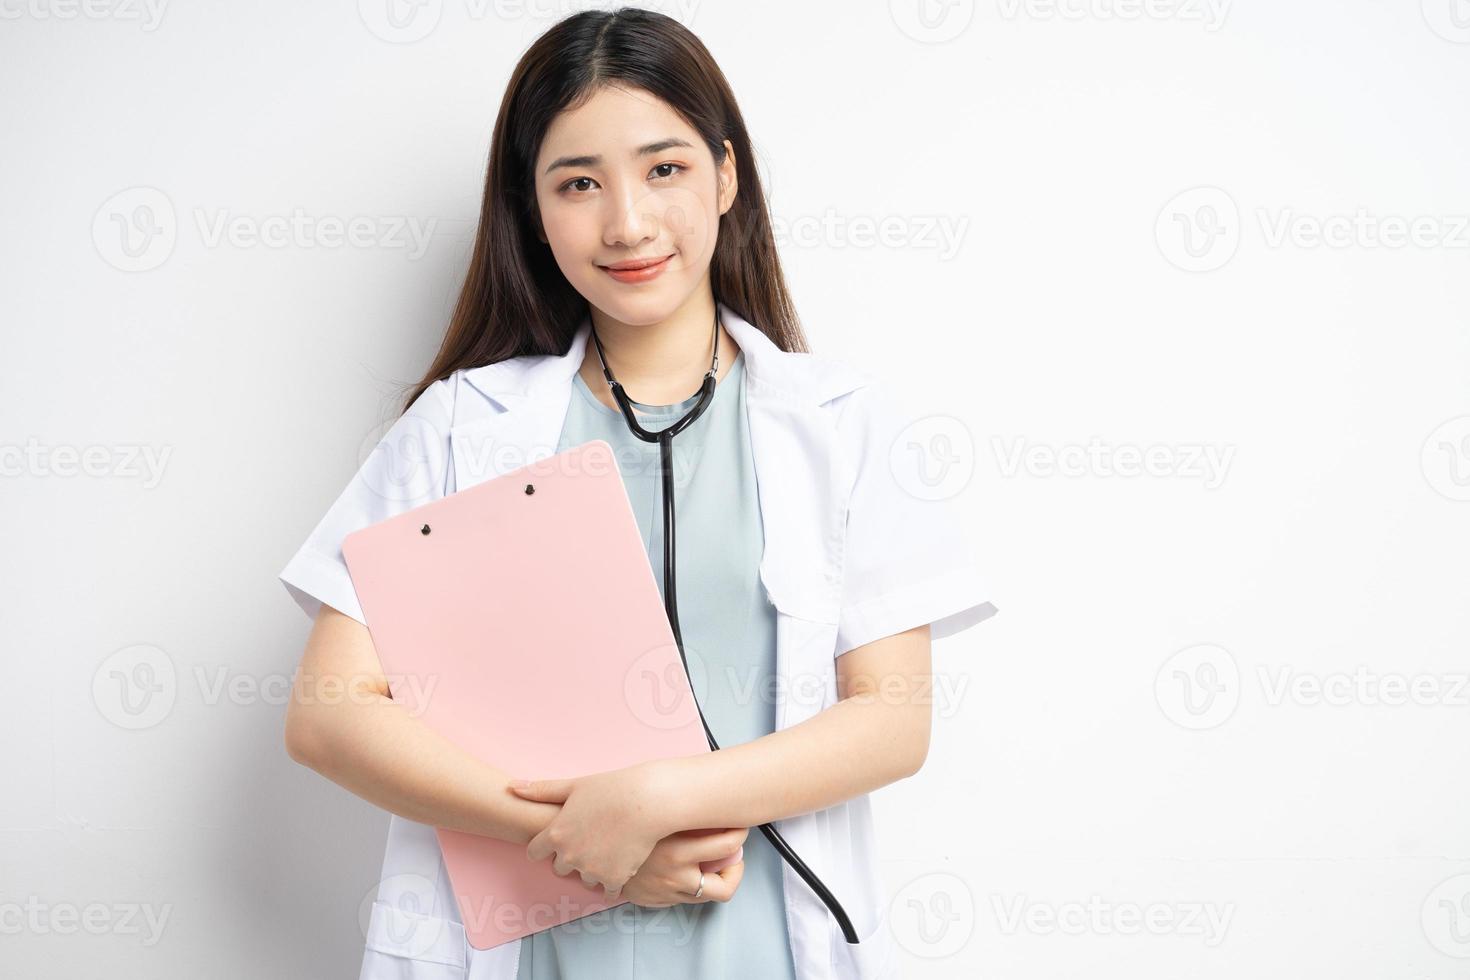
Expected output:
(520, 619)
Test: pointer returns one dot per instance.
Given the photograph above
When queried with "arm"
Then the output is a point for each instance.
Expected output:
(341, 723)
(876, 734)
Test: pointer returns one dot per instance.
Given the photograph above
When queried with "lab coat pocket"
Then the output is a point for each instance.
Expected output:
(871, 958)
(404, 945)
(805, 642)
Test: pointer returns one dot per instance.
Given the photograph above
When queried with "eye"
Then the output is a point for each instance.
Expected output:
(576, 180)
(660, 171)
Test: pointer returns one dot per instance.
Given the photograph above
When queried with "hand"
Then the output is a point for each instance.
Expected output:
(607, 826)
(670, 875)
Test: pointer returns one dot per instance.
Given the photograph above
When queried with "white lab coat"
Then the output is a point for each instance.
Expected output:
(849, 557)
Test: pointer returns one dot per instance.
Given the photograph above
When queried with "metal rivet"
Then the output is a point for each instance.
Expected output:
(424, 529)
(530, 489)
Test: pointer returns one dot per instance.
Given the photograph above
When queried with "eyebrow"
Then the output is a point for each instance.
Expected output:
(593, 159)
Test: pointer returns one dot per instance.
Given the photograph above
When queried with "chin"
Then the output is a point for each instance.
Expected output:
(633, 305)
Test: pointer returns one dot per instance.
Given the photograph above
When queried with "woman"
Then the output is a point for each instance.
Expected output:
(624, 228)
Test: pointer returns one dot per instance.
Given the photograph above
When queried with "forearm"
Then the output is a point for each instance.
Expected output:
(375, 748)
(853, 747)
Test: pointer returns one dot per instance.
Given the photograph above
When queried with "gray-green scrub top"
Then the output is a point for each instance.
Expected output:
(729, 630)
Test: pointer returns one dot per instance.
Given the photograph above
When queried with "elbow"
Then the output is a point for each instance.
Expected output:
(904, 740)
(917, 748)
(314, 718)
(914, 761)
(301, 738)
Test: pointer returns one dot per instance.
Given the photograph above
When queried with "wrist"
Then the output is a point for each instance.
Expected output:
(527, 818)
(668, 782)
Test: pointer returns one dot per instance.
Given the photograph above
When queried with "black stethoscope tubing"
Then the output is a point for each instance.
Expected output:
(665, 439)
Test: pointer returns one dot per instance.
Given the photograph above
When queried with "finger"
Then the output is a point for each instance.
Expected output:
(542, 790)
(700, 884)
(538, 848)
(712, 847)
(720, 886)
(732, 874)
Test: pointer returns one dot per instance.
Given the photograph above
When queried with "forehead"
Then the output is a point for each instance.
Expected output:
(613, 122)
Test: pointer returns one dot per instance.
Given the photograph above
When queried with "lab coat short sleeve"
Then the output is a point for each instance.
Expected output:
(407, 467)
(908, 559)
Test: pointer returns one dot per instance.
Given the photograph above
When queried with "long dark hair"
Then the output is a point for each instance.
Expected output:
(514, 299)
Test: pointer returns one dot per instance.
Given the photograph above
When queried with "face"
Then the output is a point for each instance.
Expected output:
(620, 181)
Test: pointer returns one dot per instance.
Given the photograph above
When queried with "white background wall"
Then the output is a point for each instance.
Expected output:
(1101, 222)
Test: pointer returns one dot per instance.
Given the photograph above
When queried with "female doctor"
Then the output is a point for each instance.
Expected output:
(624, 234)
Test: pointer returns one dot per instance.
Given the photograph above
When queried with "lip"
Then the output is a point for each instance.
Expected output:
(636, 270)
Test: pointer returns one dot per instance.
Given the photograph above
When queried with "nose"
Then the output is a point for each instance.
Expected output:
(631, 218)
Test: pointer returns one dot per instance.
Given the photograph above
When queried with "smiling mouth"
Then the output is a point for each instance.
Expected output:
(632, 265)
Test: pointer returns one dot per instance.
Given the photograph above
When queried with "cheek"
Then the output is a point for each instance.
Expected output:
(690, 222)
(560, 224)
(572, 236)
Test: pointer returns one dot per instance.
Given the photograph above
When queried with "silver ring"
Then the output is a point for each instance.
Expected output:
(701, 885)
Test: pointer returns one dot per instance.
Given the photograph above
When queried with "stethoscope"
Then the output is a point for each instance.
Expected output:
(665, 440)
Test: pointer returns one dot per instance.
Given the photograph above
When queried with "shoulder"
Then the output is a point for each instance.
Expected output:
(860, 401)
(436, 401)
(883, 427)
(427, 419)
(818, 379)
(488, 389)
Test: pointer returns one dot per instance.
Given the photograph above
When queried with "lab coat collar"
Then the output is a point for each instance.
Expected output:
(799, 376)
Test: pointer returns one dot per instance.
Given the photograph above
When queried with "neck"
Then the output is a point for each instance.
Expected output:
(657, 363)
